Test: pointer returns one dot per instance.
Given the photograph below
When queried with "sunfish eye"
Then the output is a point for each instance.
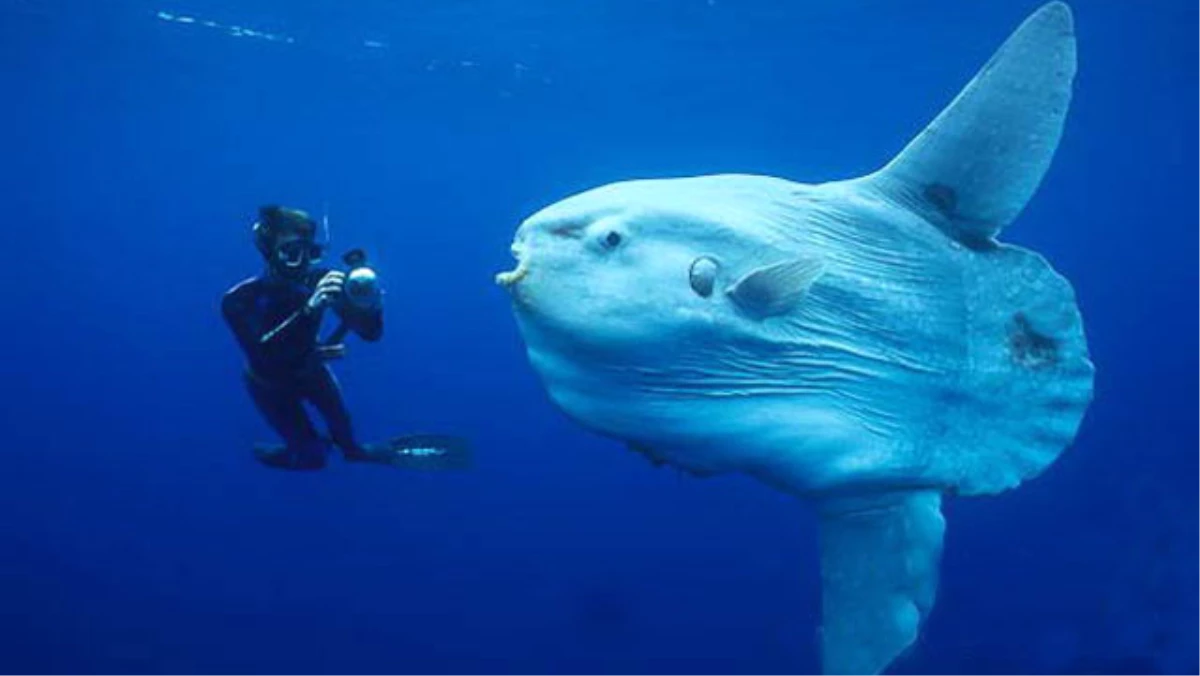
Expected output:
(703, 276)
(612, 239)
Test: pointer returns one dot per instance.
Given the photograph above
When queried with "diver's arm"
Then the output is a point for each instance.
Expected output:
(328, 291)
(237, 307)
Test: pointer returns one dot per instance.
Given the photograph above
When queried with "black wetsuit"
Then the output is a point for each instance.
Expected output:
(287, 369)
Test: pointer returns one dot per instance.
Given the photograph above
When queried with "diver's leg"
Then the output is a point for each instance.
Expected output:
(325, 394)
(416, 451)
(282, 408)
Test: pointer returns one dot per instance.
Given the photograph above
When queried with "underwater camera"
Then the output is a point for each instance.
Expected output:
(361, 289)
(362, 285)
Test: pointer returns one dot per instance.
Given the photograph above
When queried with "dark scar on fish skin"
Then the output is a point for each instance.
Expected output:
(943, 197)
(571, 230)
(1028, 347)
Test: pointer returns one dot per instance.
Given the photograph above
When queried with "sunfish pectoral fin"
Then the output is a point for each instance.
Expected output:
(776, 289)
(972, 170)
(879, 573)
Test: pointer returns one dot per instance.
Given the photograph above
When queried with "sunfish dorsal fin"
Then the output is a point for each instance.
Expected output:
(972, 170)
(879, 572)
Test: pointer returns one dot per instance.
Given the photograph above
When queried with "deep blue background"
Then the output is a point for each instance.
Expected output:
(137, 534)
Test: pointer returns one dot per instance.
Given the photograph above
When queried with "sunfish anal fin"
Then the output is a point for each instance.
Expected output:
(775, 289)
(879, 574)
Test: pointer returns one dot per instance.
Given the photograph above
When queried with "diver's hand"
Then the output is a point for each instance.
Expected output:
(329, 290)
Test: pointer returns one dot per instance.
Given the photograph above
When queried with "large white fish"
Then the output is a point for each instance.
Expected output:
(866, 344)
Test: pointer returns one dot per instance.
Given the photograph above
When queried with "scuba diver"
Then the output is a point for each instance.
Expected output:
(276, 319)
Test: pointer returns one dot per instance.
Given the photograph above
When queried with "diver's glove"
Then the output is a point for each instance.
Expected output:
(329, 290)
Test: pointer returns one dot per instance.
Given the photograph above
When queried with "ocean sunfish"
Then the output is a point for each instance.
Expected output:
(866, 344)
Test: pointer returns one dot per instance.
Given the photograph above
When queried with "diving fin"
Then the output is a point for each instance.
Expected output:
(423, 452)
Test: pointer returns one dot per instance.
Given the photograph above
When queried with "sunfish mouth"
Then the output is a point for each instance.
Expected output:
(508, 279)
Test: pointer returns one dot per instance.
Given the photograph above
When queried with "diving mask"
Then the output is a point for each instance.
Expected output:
(295, 253)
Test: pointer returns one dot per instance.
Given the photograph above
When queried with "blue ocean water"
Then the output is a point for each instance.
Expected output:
(140, 136)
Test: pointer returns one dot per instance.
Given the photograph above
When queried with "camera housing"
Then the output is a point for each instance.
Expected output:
(362, 285)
